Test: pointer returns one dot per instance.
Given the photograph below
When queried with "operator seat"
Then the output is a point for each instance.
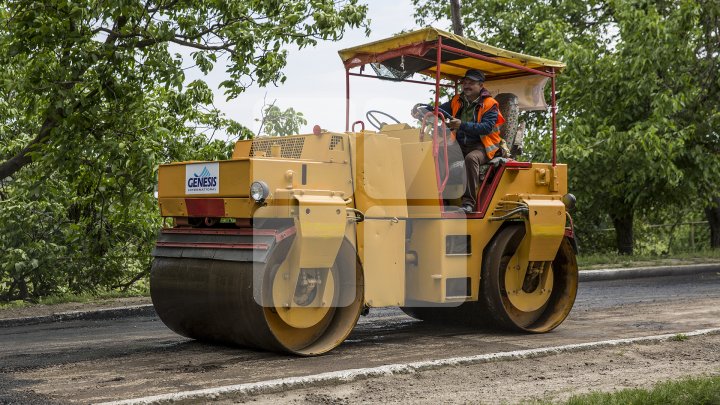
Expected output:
(512, 131)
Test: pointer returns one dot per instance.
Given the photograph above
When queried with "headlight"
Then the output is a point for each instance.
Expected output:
(259, 191)
(569, 201)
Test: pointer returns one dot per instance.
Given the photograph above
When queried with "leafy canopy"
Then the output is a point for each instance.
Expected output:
(93, 96)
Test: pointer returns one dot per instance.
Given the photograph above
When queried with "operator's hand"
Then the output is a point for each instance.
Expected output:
(454, 123)
(415, 112)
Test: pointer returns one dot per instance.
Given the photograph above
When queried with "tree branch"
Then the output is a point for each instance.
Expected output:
(51, 121)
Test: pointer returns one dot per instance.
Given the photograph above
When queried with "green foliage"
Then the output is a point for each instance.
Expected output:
(638, 101)
(680, 337)
(276, 122)
(701, 390)
(93, 96)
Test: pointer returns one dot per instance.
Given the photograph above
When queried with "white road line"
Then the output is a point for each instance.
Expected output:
(344, 376)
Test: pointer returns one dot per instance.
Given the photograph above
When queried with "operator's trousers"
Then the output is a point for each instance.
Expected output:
(474, 158)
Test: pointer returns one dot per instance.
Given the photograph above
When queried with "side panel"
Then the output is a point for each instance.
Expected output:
(382, 249)
(448, 261)
(379, 180)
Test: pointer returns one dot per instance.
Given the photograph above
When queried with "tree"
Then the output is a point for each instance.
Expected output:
(70, 56)
(633, 99)
(93, 96)
(277, 122)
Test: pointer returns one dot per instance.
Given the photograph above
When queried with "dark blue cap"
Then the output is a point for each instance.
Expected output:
(474, 74)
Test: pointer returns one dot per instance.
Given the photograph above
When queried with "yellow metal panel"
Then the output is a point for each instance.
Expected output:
(172, 207)
(320, 226)
(239, 207)
(420, 180)
(546, 227)
(383, 257)
(379, 183)
(242, 149)
(426, 281)
(287, 174)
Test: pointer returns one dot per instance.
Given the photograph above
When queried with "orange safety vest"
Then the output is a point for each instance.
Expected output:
(491, 141)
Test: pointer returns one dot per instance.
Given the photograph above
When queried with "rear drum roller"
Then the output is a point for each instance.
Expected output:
(214, 300)
(539, 305)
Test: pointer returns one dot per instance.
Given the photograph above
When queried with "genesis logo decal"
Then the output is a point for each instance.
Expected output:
(202, 178)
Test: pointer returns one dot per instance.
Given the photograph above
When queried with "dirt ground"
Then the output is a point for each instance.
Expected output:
(92, 361)
(555, 377)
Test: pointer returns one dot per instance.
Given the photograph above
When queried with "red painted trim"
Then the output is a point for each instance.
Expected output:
(362, 125)
(347, 99)
(417, 49)
(285, 234)
(515, 165)
(215, 245)
(441, 185)
(401, 81)
(570, 232)
(205, 207)
(487, 190)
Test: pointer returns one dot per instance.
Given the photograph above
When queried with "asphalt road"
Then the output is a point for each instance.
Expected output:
(99, 360)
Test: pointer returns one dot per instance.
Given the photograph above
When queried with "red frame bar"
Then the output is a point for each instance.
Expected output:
(347, 99)
(493, 60)
(403, 81)
(440, 184)
(214, 245)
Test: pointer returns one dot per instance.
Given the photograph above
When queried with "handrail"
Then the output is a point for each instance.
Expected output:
(362, 125)
(436, 147)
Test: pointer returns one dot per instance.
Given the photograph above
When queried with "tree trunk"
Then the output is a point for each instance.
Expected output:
(712, 212)
(456, 17)
(623, 223)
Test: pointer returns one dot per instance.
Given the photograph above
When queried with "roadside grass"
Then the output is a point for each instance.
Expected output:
(615, 260)
(689, 391)
(140, 290)
(680, 337)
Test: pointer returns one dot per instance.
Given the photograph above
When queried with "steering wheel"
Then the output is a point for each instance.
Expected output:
(374, 121)
(429, 107)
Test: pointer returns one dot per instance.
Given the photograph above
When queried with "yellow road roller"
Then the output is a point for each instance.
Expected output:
(284, 246)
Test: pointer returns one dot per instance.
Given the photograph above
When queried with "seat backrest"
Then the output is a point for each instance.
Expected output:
(511, 130)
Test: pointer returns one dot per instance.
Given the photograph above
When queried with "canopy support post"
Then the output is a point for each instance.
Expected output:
(438, 62)
(347, 99)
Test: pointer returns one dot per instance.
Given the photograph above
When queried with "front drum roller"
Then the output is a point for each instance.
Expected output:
(506, 304)
(213, 300)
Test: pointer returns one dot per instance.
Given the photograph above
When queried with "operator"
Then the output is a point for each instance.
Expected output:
(476, 122)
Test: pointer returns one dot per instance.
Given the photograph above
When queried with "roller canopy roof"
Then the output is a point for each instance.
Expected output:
(401, 56)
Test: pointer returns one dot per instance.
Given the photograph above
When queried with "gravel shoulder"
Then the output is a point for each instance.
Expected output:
(556, 377)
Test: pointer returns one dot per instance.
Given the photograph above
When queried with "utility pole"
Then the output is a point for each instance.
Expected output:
(456, 21)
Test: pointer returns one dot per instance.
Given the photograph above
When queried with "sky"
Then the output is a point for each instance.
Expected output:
(315, 82)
